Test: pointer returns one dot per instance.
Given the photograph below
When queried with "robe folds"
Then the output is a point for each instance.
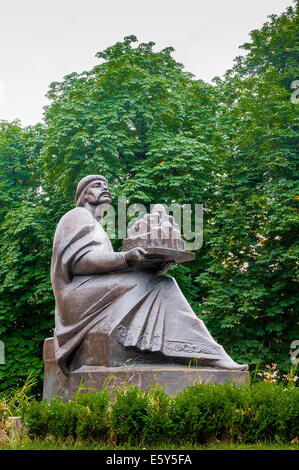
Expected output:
(143, 310)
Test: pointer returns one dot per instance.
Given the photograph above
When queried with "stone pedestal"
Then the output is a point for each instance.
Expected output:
(174, 377)
(55, 382)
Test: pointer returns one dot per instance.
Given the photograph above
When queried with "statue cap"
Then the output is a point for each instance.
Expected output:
(84, 182)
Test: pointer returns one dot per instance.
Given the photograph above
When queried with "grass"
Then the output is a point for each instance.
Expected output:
(53, 444)
(13, 399)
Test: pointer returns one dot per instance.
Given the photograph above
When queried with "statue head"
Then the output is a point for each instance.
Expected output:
(94, 190)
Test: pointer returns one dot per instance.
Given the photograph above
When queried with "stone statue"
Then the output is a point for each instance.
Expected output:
(121, 297)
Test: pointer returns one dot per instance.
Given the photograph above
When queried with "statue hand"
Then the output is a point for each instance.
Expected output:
(135, 255)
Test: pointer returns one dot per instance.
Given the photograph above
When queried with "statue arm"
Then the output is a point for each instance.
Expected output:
(97, 262)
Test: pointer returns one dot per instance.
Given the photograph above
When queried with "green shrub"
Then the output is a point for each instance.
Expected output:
(129, 415)
(63, 418)
(263, 411)
(56, 418)
(200, 413)
(93, 416)
(270, 411)
(84, 417)
(158, 422)
(36, 418)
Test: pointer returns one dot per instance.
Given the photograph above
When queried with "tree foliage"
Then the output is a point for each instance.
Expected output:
(139, 119)
(26, 300)
(251, 284)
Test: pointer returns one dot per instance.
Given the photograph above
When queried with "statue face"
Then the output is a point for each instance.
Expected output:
(97, 193)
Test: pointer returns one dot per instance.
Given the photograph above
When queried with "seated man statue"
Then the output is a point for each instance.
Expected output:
(120, 296)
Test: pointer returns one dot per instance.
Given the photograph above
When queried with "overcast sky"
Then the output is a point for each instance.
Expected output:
(43, 40)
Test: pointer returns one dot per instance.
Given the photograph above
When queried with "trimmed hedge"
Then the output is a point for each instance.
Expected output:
(199, 414)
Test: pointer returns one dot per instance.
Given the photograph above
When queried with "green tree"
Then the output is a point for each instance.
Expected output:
(251, 283)
(17, 166)
(139, 119)
(26, 231)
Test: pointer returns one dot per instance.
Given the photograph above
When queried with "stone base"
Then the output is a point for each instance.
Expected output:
(55, 382)
(174, 377)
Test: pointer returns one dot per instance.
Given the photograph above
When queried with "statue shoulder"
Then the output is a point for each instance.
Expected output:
(77, 214)
(75, 219)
